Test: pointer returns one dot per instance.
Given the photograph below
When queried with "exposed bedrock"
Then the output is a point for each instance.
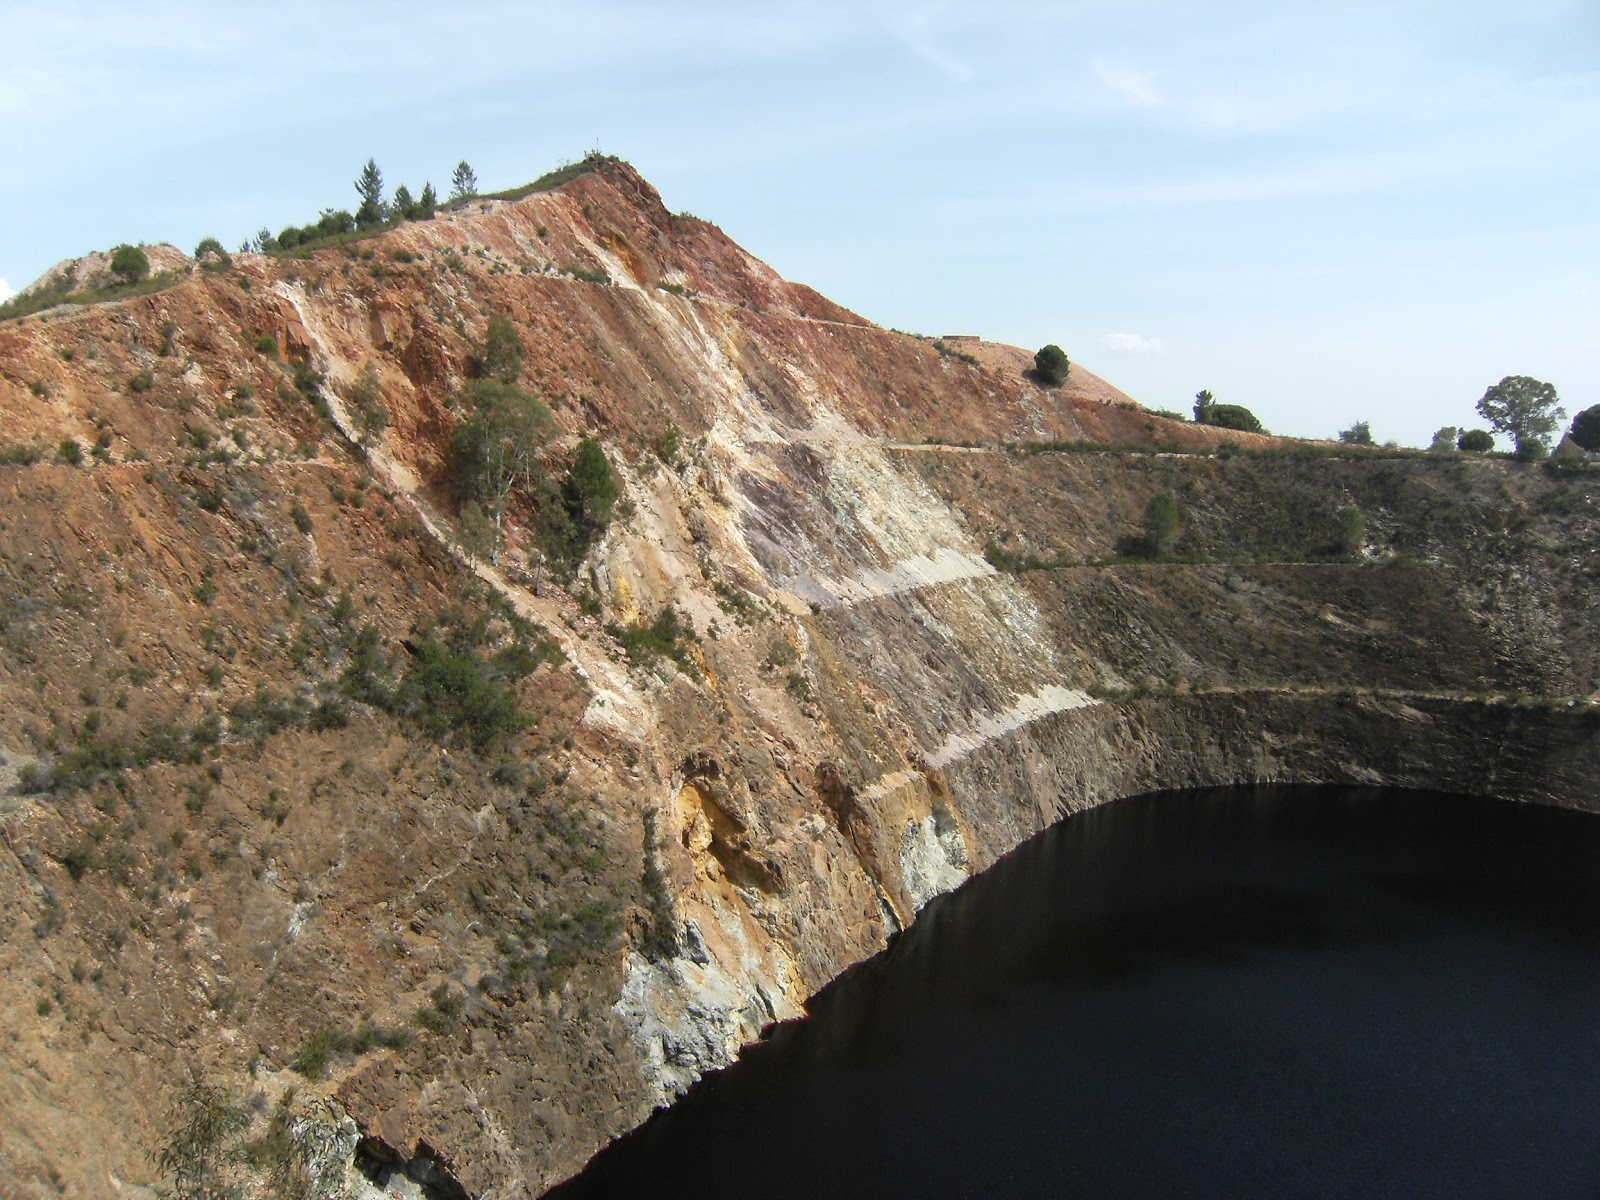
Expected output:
(914, 621)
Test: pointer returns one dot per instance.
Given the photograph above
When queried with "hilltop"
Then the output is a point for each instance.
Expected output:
(463, 856)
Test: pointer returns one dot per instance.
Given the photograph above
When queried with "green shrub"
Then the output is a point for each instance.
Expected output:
(318, 1050)
(948, 351)
(142, 382)
(1359, 434)
(268, 345)
(334, 222)
(366, 402)
(451, 692)
(1586, 428)
(442, 1013)
(1531, 449)
(328, 714)
(24, 454)
(69, 453)
(1475, 441)
(668, 447)
(1052, 365)
(1160, 524)
(658, 940)
(1231, 416)
(1350, 532)
(1567, 454)
(129, 264)
(565, 173)
(78, 858)
(312, 1058)
(500, 355)
(663, 637)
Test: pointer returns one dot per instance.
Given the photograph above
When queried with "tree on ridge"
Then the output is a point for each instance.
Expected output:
(1525, 409)
(369, 186)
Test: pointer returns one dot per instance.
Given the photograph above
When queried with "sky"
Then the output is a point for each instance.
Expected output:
(1328, 213)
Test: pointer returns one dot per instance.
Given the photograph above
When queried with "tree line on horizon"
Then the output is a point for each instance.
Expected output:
(372, 213)
(1524, 409)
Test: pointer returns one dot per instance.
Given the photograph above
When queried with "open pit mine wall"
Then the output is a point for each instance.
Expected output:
(874, 711)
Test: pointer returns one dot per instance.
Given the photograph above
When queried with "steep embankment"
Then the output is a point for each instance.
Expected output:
(242, 840)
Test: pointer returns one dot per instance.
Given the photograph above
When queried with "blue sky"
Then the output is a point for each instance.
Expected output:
(1335, 212)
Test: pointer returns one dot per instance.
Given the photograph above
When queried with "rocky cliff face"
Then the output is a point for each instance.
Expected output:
(223, 860)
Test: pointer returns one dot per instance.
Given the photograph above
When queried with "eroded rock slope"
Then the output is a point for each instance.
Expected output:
(914, 639)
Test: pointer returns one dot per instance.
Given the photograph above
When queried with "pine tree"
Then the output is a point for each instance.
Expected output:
(463, 184)
(428, 202)
(404, 206)
(369, 186)
(590, 489)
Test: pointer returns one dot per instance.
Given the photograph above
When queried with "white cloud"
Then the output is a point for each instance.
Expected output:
(917, 30)
(1131, 343)
(6, 290)
(1129, 83)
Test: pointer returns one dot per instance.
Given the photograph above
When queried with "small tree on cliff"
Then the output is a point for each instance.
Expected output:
(590, 490)
(203, 1150)
(1051, 364)
(500, 355)
(464, 183)
(495, 451)
(366, 404)
(1350, 532)
(1160, 524)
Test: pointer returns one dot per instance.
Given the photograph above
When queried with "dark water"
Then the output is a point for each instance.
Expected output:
(1232, 993)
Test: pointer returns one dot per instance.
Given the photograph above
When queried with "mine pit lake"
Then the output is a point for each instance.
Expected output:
(1265, 991)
